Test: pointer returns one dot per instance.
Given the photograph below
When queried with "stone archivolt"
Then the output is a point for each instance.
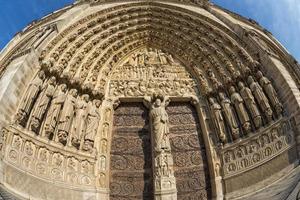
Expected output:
(102, 44)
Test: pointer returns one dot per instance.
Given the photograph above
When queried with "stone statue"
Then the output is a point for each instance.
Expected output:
(29, 99)
(160, 123)
(250, 104)
(42, 105)
(238, 103)
(261, 98)
(271, 93)
(229, 116)
(80, 120)
(93, 119)
(66, 118)
(216, 110)
(59, 98)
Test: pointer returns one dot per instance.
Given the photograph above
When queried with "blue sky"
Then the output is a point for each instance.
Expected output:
(281, 17)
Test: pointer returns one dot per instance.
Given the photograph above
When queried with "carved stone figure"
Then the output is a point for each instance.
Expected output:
(250, 104)
(216, 110)
(238, 103)
(80, 120)
(160, 123)
(229, 116)
(270, 92)
(52, 117)
(261, 98)
(93, 119)
(30, 97)
(66, 118)
(42, 105)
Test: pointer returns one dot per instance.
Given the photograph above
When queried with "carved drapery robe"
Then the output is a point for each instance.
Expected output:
(66, 117)
(262, 100)
(80, 121)
(160, 127)
(251, 105)
(271, 94)
(216, 110)
(238, 103)
(230, 118)
(54, 111)
(42, 105)
(93, 119)
(30, 97)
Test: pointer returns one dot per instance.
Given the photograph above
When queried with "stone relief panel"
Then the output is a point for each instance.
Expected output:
(130, 157)
(188, 151)
(258, 149)
(151, 71)
(48, 162)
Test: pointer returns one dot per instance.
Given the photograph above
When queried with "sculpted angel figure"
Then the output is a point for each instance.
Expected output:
(30, 97)
(160, 123)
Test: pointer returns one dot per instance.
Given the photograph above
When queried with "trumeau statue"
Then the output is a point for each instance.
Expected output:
(52, 117)
(238, 103)
(66, 118)
(250, 104)
(160, 123)
(42, 104)
(93, 119)
(216, 111)
(30, 97)
(270, 92)
(261, 98)
(80, 120)
(229, 116)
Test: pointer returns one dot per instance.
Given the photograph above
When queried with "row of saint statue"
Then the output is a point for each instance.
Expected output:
(59, 114)
(250, 107)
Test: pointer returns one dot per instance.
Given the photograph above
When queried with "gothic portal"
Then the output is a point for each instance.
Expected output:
(159, 100)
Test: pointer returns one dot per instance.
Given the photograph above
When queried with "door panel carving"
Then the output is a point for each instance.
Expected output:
(131, 174)
(188, 151)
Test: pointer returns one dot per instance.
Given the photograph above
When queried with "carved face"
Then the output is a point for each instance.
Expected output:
(52, 80)
(157, 102)
(241, 85)
(42, 74)
(250, 80)
(63, 87)
(86, 98)
(259, 74)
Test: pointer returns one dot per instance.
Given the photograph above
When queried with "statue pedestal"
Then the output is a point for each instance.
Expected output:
(165, 188)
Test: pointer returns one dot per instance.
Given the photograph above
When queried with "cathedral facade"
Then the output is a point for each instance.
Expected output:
(163, 99)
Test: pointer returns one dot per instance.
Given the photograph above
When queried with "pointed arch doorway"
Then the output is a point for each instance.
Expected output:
(143, 73)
